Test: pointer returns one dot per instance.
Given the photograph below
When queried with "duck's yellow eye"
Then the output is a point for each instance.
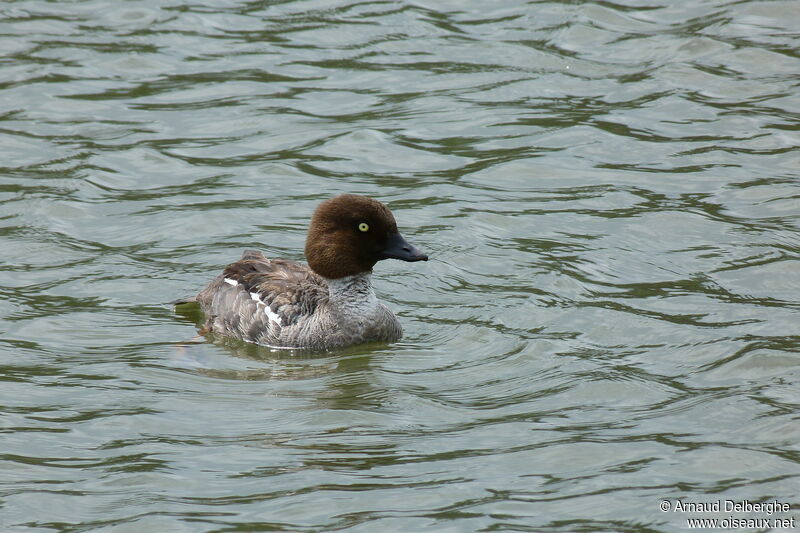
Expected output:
(363, 227)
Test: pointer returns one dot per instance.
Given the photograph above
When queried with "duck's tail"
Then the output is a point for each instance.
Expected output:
(181, 301)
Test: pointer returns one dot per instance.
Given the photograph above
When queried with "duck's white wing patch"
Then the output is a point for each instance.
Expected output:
(230, 281)
(272, 315)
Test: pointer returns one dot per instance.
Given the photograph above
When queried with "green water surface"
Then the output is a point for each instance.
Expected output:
(608, 192)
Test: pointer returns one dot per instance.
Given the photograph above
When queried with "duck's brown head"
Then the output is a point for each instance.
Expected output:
(349, 234)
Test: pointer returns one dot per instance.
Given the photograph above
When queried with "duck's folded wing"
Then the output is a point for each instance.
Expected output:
(256, 298)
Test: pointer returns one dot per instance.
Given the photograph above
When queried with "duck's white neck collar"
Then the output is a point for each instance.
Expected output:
(353, 295)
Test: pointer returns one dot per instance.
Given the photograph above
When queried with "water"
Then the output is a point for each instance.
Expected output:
(609, 195)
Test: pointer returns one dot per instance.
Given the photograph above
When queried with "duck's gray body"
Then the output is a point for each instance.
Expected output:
(284, 304)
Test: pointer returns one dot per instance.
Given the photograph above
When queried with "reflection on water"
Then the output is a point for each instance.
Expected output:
(608, 193)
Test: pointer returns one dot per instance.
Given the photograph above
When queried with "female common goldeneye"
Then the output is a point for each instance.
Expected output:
(327, 304)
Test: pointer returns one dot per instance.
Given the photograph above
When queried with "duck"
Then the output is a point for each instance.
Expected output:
(324, 304)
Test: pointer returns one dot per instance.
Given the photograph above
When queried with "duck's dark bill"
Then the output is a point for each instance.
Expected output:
(398, 248)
